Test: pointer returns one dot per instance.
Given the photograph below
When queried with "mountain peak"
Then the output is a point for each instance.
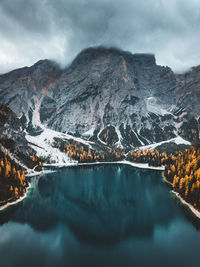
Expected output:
(45, 63)
(143, 59)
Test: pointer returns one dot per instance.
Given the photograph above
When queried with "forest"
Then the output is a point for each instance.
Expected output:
(13, 182)
(183, 172)
(84, 154)
(182, 168)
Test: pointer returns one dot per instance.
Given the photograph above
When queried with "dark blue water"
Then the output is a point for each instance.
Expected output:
(107, 215)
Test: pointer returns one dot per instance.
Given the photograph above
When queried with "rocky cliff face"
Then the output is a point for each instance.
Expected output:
(12, 138)
(21, 89)
(10, 126)
(106, 95)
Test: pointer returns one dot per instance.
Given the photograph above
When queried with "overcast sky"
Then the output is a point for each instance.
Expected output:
(31, 30)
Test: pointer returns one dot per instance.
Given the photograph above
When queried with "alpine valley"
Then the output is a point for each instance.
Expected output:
(108, 105)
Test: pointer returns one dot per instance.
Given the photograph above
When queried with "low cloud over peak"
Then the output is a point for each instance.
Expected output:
(35, 29)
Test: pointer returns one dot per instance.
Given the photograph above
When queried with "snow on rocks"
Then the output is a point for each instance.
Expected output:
(119, 144)
(89, 133)
(154, 107)
(43, 145)
(177, 140)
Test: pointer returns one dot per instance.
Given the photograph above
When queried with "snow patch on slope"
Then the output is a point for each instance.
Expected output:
(177, 140)
(98, 138)
(118, 143)
(154, 107)
(138, 138)
(43, 145)
(89, 133)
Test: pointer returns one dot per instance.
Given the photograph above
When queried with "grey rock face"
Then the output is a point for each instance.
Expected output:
(20, 89)
(108, 92)
(11, 131)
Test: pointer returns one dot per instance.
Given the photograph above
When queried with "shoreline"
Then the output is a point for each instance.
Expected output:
(165, 180)
(183, 201)
(8, 204)
(142, 165)
(135, 165)
(39, 173)
(76, 164)
(192, 209)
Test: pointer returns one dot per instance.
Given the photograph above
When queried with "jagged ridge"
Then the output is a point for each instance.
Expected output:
(108, 96)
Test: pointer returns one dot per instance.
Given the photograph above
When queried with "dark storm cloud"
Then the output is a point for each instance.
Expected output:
(59, 29)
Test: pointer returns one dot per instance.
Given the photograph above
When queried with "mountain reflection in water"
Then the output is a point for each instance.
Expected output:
(94, 210)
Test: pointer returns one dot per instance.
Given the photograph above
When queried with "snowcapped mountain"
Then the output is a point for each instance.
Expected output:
(107, 96)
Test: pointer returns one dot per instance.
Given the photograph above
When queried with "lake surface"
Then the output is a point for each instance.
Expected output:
(106, 215)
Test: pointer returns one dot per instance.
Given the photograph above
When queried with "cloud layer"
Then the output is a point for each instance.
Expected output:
(31, 30)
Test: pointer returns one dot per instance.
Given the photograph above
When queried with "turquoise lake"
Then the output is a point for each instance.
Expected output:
(105, 215)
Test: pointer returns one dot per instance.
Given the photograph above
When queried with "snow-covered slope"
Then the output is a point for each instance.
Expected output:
(44, 142)
(44, 145)
(177, 140)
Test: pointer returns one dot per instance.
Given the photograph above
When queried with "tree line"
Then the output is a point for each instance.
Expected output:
(182, 169)
(13, 182)
(183, 172)
(84, 154)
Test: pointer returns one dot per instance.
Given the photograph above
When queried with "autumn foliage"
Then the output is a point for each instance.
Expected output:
(12, 179)
(153, 157)
(85, 154)
(183, 171)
